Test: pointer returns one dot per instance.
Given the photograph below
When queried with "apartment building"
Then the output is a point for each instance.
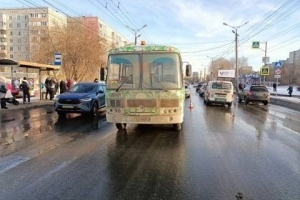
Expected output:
(22, 29)
(100, 28)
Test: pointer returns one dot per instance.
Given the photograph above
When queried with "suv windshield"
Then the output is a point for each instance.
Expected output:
(83, 88)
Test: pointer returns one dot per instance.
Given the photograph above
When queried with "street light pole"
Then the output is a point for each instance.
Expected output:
(236, 51)
(135, 31)
(212, 62)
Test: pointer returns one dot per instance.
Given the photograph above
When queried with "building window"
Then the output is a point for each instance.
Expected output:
(10, 17)
(11, 33)
(10, 25)
(25, 25)
(19, 33)
(11, 56)
(11, 41)
(2, 47)
(31, 15)
(44, 23)
(36, 15)
(18, 17)
(26, 16)
(11, 48)
(44, 15)
(18, 25)
(19, 48)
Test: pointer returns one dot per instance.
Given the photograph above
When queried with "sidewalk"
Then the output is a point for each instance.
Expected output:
(35, 103)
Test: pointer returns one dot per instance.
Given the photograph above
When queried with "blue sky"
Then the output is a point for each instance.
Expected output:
(194, 26)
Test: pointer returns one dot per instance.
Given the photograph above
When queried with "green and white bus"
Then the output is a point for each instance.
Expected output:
(145, 86)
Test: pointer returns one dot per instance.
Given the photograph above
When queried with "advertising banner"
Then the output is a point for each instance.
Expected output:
(226, 73)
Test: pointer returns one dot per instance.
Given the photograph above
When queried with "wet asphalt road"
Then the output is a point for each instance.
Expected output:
(254, 150)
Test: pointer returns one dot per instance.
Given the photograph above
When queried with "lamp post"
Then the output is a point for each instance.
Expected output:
(236, 51)
(212, 62)
(135, 31)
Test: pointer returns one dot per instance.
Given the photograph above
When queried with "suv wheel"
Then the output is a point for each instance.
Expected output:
(177, 127)
(229, 105)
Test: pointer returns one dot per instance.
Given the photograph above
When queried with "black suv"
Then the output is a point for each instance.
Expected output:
(254, 93)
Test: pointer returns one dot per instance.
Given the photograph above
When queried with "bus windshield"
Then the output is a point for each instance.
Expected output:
(159, 71)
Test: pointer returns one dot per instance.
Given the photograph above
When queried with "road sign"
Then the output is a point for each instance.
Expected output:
(264, 71)
(278, 71)
(277, 65)
(57, 58)
(277, 76)
(265, 59)
(255, 44)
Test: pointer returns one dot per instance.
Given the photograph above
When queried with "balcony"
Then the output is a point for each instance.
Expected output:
(3, 35)
(3, 51)
(3, 42)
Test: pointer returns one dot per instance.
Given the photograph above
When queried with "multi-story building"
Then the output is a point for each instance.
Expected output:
(100, 28)
(22, 29)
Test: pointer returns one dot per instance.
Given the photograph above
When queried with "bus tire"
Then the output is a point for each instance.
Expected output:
(177, 127)
(121, 126)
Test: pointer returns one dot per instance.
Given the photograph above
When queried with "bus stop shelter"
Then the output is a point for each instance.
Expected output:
(29, 65)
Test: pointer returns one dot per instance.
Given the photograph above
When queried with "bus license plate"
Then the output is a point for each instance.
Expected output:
(141, 119)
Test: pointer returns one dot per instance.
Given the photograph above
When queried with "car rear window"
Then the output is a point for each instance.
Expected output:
(259, 89)
(221, 85)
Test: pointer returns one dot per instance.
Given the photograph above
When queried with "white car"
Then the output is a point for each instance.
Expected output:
(187, 91)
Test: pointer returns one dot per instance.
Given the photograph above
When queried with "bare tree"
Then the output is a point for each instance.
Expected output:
(83, 50)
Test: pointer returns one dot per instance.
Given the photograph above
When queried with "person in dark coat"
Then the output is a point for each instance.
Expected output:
(52, 84)
(274, 86)
(25, 89)
(62, 86)
(3, 91)
(290, 89)
(47, 87)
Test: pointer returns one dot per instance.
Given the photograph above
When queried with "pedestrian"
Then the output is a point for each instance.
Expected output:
(52, 84)
(24, 87)
(290, 89)
(274, 87)
(62, 86)
(96, 80)
(3, 91)
(47, 86)
(69, 83)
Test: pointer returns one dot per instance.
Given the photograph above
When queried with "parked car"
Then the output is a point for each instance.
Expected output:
(187, 91)
(254, 93)
(85, 98)
(219, 92)
(202, 90)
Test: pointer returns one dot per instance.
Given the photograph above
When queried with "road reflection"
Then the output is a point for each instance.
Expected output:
(144, 157)
(76, 123)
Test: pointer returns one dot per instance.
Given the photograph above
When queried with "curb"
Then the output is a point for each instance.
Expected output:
(286, 104)
(33, 105)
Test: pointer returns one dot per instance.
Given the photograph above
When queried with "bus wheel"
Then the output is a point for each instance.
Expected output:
(121, 126)
(177, 127)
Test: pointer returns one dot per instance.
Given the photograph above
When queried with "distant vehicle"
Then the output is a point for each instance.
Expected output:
(85, 98)
(199, 86)
(219, 92)
(202, 90)
(254, 93)
(187, 92)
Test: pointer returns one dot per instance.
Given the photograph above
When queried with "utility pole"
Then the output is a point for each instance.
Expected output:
(212, 62)
(265, 61)
(135, 31)
(236, 51)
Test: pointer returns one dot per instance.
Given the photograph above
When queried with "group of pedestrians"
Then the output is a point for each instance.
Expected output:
(52, 86)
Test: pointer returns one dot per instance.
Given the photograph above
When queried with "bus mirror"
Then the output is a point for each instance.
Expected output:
(102, 74)
(188, 70)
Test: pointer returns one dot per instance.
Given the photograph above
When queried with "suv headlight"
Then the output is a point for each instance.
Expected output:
(86, 99)
(56, 98)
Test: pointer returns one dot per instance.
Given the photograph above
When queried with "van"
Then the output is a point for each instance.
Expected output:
(219, 92)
